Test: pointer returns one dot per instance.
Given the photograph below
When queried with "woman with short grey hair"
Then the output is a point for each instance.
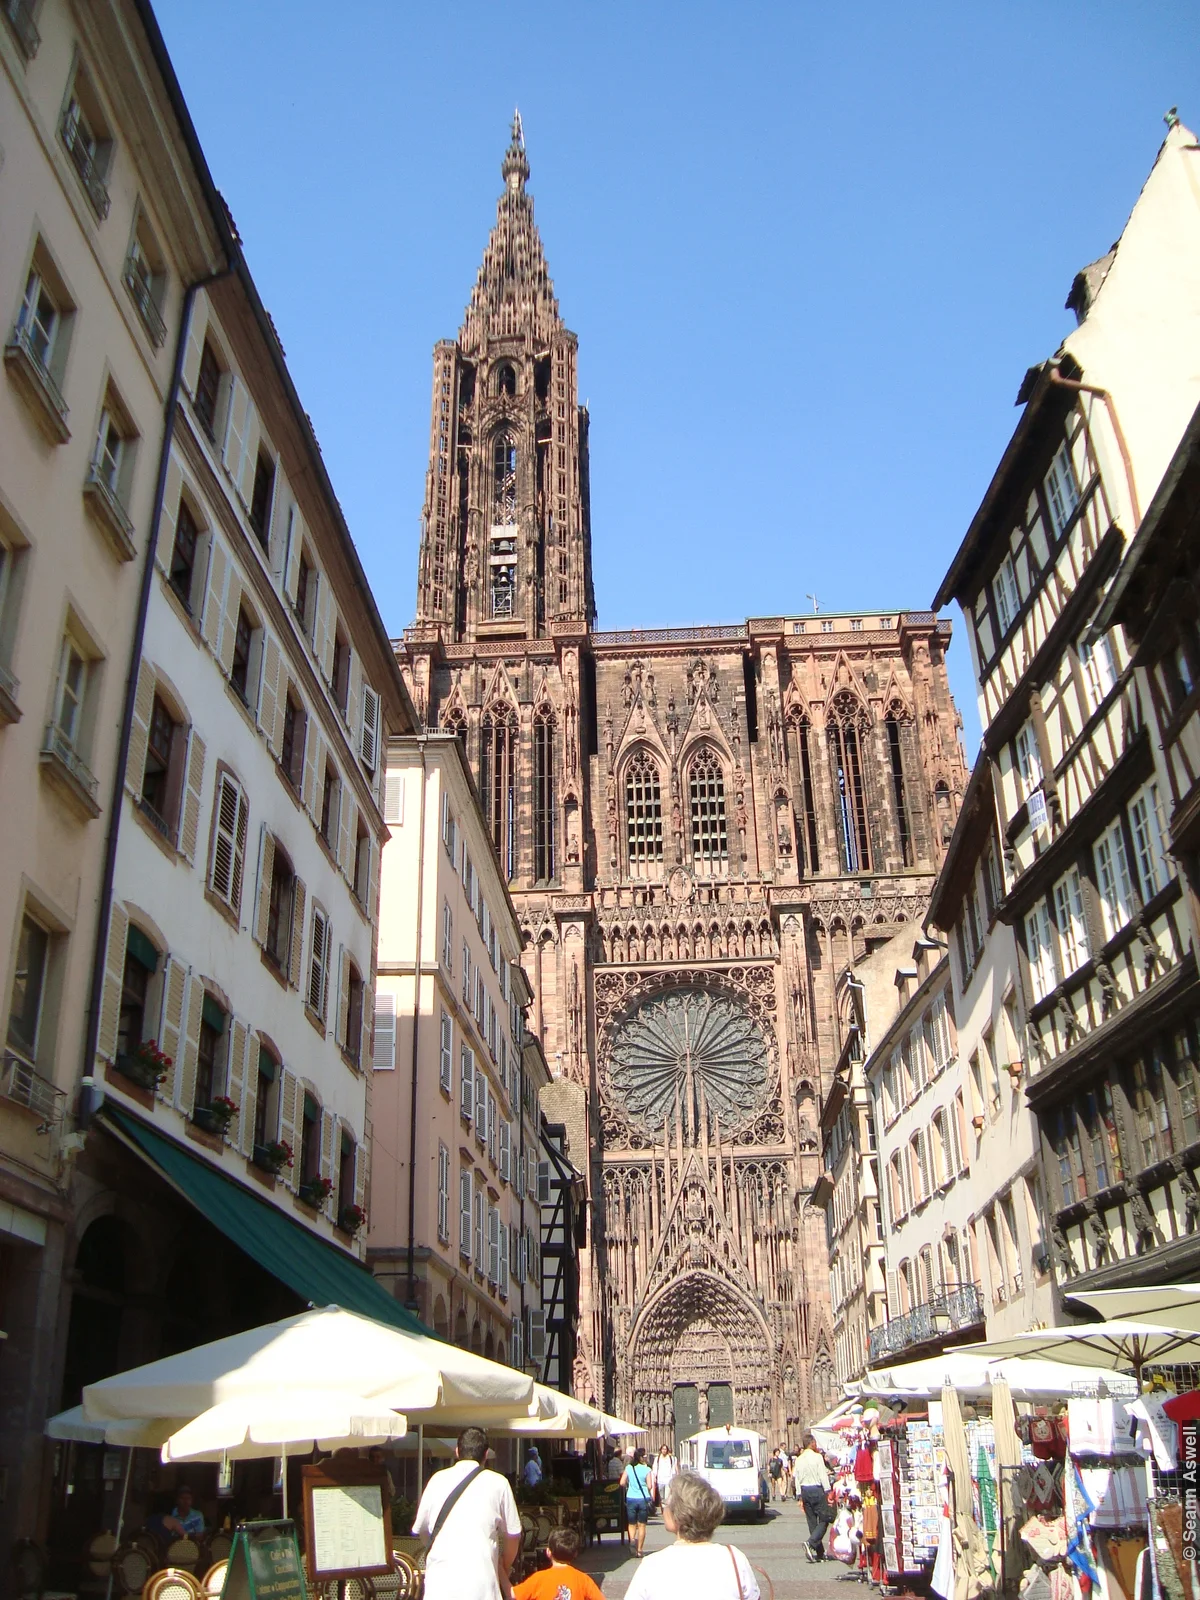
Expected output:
(693, 1565)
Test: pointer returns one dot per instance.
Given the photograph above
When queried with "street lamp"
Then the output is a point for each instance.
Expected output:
(940, 1316)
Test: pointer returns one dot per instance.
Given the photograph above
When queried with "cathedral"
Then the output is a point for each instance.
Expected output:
(703, 829)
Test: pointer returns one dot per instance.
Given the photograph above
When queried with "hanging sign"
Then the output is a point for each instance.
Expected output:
(347, 1519)
(1039, 817)
(264, 1563)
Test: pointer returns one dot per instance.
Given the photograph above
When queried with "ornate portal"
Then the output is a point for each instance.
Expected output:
(695, 1050)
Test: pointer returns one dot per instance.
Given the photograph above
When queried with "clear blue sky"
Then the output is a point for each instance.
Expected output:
(809, 252)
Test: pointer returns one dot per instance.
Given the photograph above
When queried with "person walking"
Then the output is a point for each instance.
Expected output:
(693, 1566)
(473, 1559)
(775, 1473)
(561, 1580)
(635, 1481)
(533, 1473)
(665, 1468)
(811, 1477)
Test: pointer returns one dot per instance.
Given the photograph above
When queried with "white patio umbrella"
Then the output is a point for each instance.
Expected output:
(1112, 1346)
(1175, 1305)
(307, 1418)
(618, 1428)
(1028, 1377)
(345, 1352)
(549, 1415)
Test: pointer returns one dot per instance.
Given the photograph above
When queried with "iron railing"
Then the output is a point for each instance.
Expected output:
(142, 292)
(97, 484)
(21, 344)
(85, 164)
(19, 16)
(24, 1085)
(647, 636)
(961, 1307)
(59, 748)
(8, 682)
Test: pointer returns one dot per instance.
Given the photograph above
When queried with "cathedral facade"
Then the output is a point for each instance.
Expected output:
(702, 829)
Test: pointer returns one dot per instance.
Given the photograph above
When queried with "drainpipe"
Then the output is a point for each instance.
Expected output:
(411, 1302)
(90, 1100)
(1103, 394)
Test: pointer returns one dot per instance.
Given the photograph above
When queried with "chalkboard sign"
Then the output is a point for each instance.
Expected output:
(347, 1518)
(264, 1563)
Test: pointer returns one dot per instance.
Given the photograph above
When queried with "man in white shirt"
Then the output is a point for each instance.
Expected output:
(478, 1541)
(533, 1468)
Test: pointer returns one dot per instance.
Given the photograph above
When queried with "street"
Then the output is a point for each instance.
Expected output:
(776, 1546)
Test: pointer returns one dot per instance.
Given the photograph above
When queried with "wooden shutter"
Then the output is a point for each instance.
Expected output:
(361, 1172)
(328, 1132)
(164, 541)
(393, 799)
(282, 511)
(313, 769)
(235, 426)
(348, 832)
(214, 600)
(368, 743)
(383, 1056)
(249, 1100)
(266, 866)
(318, 969)
(197, 327)
(269, 719)
(343, 1004)
(320, 613)
(354, 690)
(295, 544)
(296, 952)
(193, 794)
(326, 629)
(143, 710)
(372, 878)
(249, 458)
(233, 602)
(185, 1081)
(287, 1124)
(114, 982)
(221, 879)
(236, 1075)
(170, 1033)
(366, 1027)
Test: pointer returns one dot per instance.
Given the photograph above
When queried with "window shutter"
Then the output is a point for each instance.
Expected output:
(343, 1005)
(361, 1170)
(327, 629)
(266, 866)
(466, 1084)
(164, 542)
(372, 877)
(893, 1295)
(493, 1242)
(368, 744)
(383, 1057)
(248, 461)
(197, 325)
(169, 1034)
(481, 1099)
(143, 710)
(366, 1027)
(225, 838)
(295, 542)
(347, 836)
(114, 982)
(215, 594)
(269, 719)
(354, 687)
(464, 1213)
(287, 1124)
(313, 770)
(518, 1342)
(185, 1081)
(296, 952)
(537, 1336)
(480, 1229)
(505, 1151)
(235, 1076)
(193, 795)
(328, 1128)
(321, 608)
(235, 426)
(393, 798)
(318, 975)
(233, 601)
(249, 1098)
(279, 533)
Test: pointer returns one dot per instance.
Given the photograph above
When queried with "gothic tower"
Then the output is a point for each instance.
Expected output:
(703, 830)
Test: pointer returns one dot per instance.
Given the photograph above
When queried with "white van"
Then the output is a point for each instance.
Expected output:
(731, 1460)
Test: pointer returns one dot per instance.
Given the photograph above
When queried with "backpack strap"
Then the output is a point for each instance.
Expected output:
(449, 1503)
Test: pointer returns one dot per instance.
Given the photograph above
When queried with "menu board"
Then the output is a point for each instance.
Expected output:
(347, 1522)
(264, 1563)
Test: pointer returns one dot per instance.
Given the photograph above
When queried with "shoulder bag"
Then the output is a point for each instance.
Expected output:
(449, 1503)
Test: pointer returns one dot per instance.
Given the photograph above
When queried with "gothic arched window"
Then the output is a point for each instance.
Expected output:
(543, 795)
(497, 780)
(456, 723)
(893, 723)
(846, 724)
(808, 803)
(504, 478)
(643, 812)
(706, 793)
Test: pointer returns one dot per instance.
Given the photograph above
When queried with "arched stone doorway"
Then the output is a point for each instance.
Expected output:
(702, 1350)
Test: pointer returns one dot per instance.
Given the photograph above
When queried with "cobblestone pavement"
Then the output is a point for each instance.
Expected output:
(776, 1545)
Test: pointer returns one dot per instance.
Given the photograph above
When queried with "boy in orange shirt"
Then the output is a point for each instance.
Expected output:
(560, 1580)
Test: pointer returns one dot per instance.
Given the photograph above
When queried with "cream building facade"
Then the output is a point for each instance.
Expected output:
(105, 224)
(455, 1225)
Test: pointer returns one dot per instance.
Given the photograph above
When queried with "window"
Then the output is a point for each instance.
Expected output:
(466, 1083)
(1152, 870)
(1112, 879)
(706, 793)
(291, 749)
(504, 479)
(1006, 595)
(183, 555)
(368, 733)
(826, 625)
(443, 1192)
(543, 796)
(133, 1023)
(330, 807)
(893, 724)
(942, 1163)
(1148, 1096)
(1029, 760)
(266, 1097)
(232, 813)
(1100, 1126)
(846, 724)
(464, 1213)
(505, 1152)
(466, 973)
(162, 774)
(446, 1054)
(493, 1244)
(208, 389)
(1068, 914)
(1062, 492)
(1099, 669)
(498, 756)
(352, 1043)
(643, 813)
(210, 1063)
(318, 967)
(1179, 677)
(807, 798)
(239, 672)
(261, 498)
(29, 985)
(112, 458)
(72, 687)
(39, 320)
(340, 682)
(146, 280)
(86, 138)
(1065, 1139)
(310, 1141)
(481, 1107)
(362, 865)
(347, 1173)
(306, 595)
(1040, 949)
(480, 1254)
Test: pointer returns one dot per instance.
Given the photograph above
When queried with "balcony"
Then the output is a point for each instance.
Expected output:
(84, 161)
(142, 293)
(955, 1311)
(19, 16)
(32, 376)
(24, 1085)
(109, 515)
(65, 768)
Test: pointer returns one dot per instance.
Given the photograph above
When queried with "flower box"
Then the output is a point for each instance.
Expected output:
(272, 1157)
(351, 1218)
(315, 1191)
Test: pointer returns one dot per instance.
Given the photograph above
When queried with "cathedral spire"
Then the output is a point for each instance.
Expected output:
(513, 295)
(515, 167)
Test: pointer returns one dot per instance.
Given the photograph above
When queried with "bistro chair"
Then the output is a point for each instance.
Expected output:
(220, 1543)
(172, 1584)
(183, 1553)
(213, 1580)
(132, 1566)
(27, 1562)
(101, 1548)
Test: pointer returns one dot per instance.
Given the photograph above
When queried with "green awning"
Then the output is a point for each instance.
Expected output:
(316, 1271)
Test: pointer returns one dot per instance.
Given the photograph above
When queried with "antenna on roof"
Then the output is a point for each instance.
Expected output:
(813, 598)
